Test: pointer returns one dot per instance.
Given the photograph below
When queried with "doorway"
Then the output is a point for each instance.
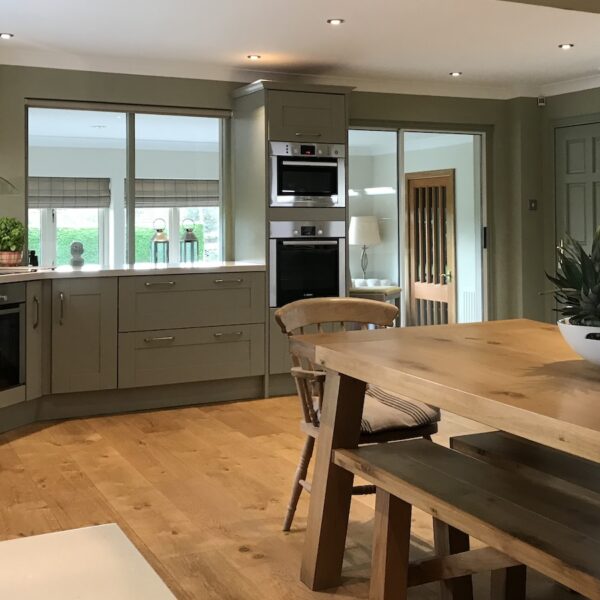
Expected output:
(382, 163)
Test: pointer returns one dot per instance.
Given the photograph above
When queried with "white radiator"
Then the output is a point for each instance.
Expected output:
(469, 310)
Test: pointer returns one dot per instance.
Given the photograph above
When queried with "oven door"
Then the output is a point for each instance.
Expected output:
(303, 181)
(307, 268)
(12, 346)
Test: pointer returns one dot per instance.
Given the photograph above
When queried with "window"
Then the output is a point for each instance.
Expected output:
(78, 189)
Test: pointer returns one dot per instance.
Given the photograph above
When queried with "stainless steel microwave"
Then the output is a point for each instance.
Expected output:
(308, 174)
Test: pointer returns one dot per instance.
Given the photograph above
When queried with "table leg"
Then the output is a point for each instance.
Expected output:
(331, 491)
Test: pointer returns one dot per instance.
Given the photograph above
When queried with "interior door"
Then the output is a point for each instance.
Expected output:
(578, 183)
(430, 246)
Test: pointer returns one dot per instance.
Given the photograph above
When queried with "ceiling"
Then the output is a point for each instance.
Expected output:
(504, 49)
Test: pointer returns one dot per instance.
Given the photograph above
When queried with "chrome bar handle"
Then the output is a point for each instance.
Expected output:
(303, 134)
(240, 280)
(36, 319)
(232, 333)
(155, 283)
(61, 316)
(166, 338)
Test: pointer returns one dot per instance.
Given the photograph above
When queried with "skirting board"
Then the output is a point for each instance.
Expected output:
(87, 404)
(281, 385)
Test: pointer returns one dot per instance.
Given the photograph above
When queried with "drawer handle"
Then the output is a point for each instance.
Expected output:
(232, 333)
(166, 338)
(228, 280)
(154, 283)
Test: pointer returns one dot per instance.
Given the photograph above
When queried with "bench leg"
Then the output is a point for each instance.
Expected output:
(509, 584)
(449, 540)
(391, 544)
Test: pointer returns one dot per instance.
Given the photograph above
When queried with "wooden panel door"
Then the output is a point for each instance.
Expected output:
(578, 183)
(84, 334)
(430, 247)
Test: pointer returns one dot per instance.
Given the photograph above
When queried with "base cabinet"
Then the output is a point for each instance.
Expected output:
(84, 334)
(167, 356)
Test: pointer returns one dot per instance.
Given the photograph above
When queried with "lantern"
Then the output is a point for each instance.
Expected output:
(160, 242)
(189, 246)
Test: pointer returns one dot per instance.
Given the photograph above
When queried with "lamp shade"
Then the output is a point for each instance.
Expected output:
(364, 231)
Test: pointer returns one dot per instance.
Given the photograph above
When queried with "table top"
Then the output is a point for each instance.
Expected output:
(518, 376)
(385, 290)
(92, 563)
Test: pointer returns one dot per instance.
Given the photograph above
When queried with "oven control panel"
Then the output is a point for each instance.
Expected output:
(312, 229)
(308, 150)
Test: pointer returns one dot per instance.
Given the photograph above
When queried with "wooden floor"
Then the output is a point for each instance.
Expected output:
(201, 491)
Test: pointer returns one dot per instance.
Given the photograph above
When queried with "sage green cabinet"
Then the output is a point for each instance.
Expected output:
(34, 340)
(197, 354)
(84, 334)
(306, 116)
(185, 301)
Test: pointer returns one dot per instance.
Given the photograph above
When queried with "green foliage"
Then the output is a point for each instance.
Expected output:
(12, 235)
(577, 282)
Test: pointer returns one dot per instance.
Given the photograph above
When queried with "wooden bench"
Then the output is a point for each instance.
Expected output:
(522, 521)
(539, 463)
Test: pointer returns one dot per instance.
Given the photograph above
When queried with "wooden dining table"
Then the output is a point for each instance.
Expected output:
(518, 376)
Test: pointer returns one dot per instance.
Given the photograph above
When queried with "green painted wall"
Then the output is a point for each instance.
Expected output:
(512, 130)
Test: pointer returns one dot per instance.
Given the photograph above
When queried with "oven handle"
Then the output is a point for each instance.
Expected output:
(307, 163)
(311, 243)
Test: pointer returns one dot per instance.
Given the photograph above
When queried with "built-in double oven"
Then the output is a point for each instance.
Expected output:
(307, 260)
(12, 335)
(307, 175)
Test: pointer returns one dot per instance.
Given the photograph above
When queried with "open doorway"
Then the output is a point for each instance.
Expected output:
(448, 215)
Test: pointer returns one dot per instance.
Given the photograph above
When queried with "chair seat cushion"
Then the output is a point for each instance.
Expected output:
(384, 411)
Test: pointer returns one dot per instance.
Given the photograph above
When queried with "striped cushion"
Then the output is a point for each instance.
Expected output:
(385, 410)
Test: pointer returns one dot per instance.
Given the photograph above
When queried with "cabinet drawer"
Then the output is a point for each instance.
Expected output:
(306, 116)
(183, 301)
(184, 355)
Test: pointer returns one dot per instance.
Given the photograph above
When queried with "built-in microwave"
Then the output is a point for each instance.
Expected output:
(308, 174)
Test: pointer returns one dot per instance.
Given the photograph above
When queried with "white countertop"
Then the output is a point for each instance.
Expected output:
(128, 270)
(92, 563)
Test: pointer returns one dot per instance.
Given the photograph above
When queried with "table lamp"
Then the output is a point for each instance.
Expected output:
(364, 231)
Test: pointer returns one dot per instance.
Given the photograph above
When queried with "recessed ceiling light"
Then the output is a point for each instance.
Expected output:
(253, 57)
(455, 73)
(335, 21)
(7, 36)
(566, 46)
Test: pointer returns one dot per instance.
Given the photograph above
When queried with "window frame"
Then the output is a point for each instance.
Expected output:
(125, 237)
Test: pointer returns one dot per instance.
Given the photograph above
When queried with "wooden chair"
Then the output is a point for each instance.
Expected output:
(318, 314)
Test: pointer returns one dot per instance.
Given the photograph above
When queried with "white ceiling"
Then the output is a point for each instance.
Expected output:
(504, 49)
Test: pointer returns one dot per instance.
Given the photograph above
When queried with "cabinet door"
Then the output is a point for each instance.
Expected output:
(84, 334)
(34, 340)
(306, 116)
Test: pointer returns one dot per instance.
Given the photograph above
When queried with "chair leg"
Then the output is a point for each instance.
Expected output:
(300, 475)
(509, 584)
(391, 545)
(449, 540)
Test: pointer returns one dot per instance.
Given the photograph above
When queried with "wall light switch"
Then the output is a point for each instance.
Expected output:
(533, 204)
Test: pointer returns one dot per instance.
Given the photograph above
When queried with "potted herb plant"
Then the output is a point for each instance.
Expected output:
(577, 291)
(12, 239)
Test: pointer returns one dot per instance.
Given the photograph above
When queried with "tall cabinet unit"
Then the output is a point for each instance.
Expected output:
(265, 112)
(84, 334)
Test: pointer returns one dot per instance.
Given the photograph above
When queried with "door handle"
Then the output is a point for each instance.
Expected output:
(61, 315)
(155, 283)
(166, 338)
(36, 318)
(446, 277)
(228, 280)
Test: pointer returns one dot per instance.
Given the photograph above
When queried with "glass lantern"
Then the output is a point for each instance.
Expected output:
(189, 246)
(160, 242)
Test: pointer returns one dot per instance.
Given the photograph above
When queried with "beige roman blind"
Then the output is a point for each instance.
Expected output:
(68, 192)
(154, 193)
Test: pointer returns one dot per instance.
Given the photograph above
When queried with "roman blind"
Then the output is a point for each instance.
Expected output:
(154, 193)
(68, 192)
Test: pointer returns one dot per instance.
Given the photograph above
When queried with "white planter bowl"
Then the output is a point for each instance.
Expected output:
(577, 337)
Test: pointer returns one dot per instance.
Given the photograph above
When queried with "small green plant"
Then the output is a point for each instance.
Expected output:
(12, 235)
(577, 282)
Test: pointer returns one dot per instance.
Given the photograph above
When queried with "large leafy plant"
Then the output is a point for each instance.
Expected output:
(577, 282)
(12, 235)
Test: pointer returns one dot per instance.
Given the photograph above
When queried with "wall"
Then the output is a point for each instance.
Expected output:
(461, 158)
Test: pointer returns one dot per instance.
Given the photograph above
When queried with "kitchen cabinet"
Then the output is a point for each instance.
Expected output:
(34, 340)
(306, 116)
(194, 354)
(84, 334)
(186, 301)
